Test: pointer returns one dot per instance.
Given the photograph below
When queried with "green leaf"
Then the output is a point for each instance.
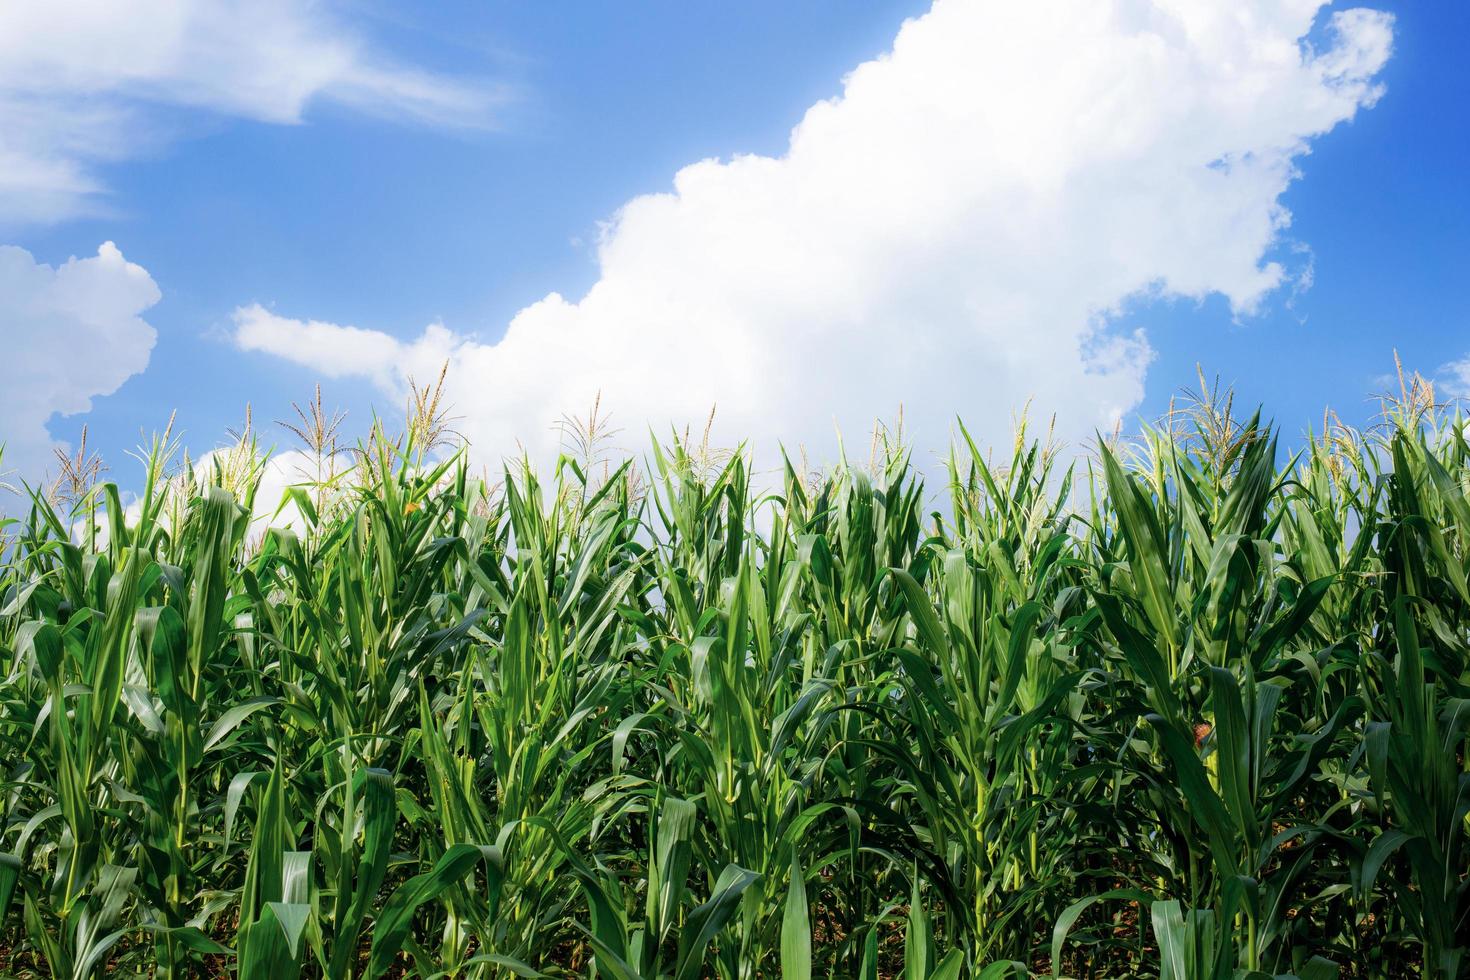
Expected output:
(796, 929)
(232, 718)
(397, 916)
(918, 943)
(10, 868)
(706, 920)
(954, 961)
(1073, 912)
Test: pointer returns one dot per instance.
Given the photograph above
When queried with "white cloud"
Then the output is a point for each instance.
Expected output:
(70, 333)
(337, 351)
(82, 82)
(957, 232)
(1453, 379)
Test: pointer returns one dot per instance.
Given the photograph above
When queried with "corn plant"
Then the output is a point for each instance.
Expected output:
(1188, 707)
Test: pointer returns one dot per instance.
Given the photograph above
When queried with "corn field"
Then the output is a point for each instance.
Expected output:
(1189, 708)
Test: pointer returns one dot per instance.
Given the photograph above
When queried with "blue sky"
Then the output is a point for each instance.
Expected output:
(1384, 206)
(391, 220)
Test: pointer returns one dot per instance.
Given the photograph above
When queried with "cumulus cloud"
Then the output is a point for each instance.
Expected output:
(957, 232)
(82, 81)
(71, 333)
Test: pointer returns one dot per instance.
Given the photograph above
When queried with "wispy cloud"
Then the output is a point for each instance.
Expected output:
(84, 82)
(1453, 379)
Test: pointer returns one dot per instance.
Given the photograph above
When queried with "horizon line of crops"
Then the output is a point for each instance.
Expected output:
(1190, 711)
